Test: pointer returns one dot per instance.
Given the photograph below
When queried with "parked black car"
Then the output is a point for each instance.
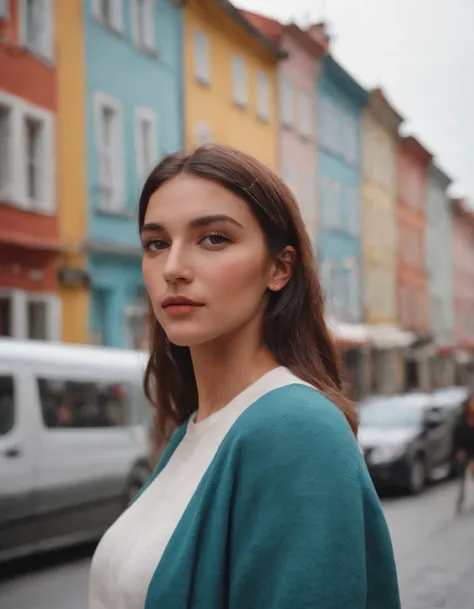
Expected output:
(406, 440)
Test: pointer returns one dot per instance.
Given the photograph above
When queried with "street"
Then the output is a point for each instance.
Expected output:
(433, 547)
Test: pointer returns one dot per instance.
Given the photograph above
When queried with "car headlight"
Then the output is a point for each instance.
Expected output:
(386, 453)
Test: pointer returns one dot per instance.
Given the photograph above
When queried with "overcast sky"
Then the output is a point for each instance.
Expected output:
(420, 51)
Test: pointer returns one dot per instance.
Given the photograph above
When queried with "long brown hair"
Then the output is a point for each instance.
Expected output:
(294, 327)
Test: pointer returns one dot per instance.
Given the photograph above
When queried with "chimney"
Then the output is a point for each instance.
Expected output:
(319, 33)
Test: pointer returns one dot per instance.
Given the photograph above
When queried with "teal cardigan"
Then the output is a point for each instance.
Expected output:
(285, 517)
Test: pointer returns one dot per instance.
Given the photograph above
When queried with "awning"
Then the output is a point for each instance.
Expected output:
(387, 337)
(348, 334)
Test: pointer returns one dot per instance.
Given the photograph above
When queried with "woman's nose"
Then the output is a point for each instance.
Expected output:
(177, 268)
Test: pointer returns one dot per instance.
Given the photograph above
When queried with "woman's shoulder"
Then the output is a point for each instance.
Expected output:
(296, 418)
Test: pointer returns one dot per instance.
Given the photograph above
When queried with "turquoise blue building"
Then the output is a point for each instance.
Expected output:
(134, 116)
(339, 245)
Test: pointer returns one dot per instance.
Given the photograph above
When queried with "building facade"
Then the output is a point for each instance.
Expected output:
(379, 230)
(439, 266)
(463, 289)
(29, 226)
(71, 146)
(339, 249)
(230, 81)
(297, 141)
(412, 279)
(340, 107)
(131, 123)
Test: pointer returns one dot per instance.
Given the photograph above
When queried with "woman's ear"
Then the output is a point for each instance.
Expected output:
(282, 269)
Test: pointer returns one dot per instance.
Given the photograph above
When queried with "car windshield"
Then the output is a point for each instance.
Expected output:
(390, 414)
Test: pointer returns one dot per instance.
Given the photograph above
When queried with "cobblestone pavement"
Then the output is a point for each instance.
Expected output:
(434, 551)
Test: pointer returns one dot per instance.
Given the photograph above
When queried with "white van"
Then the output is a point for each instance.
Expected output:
(73, 442)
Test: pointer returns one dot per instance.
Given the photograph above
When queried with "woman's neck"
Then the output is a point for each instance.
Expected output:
(227, 366)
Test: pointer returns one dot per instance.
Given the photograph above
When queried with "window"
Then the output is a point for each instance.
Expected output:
(203, 134)
(7, 405)
(6, 322)
(79, 404)
(5, 149)
(37, 32)
(304, 114)
(4, 9)
(146, 127)
(202, 68)
(353, 294)
(263, 102)
(286, 101)
(143, 23)
(110, 150)
(353, 211)
(37, 320)
(109, 12)
(239, 81)
(34, 158)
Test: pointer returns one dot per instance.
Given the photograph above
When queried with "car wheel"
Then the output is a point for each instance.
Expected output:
(417, 476)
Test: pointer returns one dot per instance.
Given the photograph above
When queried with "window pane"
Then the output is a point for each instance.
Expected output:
(4, 147)
(106, 10)
(7, 405)
(6, 316)
(33, 24)
(73, 404)
(37, 320)
(33, 133)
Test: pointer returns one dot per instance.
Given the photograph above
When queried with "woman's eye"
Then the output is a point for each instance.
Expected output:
(155, 244)
(215, 239)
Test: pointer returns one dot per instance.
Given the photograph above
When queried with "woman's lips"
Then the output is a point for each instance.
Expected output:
(182, 309)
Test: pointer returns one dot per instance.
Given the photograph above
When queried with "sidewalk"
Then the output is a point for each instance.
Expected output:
(446, 578)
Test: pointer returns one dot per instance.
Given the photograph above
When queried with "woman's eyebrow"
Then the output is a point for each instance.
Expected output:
(196, 223)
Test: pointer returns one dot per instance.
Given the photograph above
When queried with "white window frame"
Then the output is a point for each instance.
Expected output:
(203, 134)
(117, 202)
(287, 101)
(144, 38)
(147, 115)
(116, 17)
(304, 114)
(44, 46)
(16, 191)
(202, 57)
(239, 81)
(263, 96)
(20, 299)
(4, 9)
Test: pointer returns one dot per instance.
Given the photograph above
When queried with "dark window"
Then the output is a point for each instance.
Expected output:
(76, 404)
(6, 316)
(7, 405)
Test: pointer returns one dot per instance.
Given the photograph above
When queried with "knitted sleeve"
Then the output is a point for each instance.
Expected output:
(307, 530)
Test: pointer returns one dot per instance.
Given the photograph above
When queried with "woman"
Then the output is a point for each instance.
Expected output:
(464, 445)
(261, 499)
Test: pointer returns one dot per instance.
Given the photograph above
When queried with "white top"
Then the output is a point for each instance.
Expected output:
(131, 549)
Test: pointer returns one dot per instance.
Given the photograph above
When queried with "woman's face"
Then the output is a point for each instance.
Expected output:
(206, 265)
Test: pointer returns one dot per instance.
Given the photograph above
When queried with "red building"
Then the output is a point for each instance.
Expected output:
(412, 279)
(29, 227)
(463, 287)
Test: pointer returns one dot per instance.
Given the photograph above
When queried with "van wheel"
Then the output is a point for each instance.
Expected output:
(136, 480)
(417, 476)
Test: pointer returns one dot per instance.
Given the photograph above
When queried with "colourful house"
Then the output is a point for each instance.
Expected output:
(379, 235)
(29, 224)
(71, 134)
(341, 101)
(439, 265)
(297, 75)
(133, 85)
(413, 303)
(230, 81)
(463, 289)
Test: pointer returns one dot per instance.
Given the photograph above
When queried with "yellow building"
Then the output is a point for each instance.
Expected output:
(230, 81)
(379, 237)
(71, 171)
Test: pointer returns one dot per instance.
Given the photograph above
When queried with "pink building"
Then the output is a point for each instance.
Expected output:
(298, 77)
